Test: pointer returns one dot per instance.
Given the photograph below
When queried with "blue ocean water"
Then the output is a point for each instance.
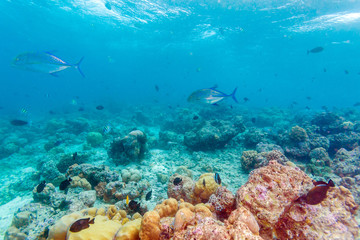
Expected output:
(150, 55)
(258, 46)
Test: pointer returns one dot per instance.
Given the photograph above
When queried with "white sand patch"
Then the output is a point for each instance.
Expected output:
(7, 212)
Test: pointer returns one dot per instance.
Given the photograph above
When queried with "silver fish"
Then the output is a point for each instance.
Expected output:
(44, 62)
(210, 96)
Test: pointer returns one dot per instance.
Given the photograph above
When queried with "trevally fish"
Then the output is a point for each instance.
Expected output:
(44, 62)
(210, 96)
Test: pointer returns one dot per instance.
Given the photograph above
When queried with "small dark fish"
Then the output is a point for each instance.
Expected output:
(308, 98)
(177, 181)
(40, 187)
(57, 143)
(315, 50)
(81, 109)
(17, 122)
(100, 107)
(324, 70)
(253, 120)
(307, 107)
(325, 108)
(260, 90)
(294, 103)
(133, 205)
(81, 224)
(51, 112)
(195, 117)
(148, 195)
(74, 156)
(217, 178)
(246, 99)
(64, 184)
(204, 183)
(46, 232)
(318, 193)
(346, 72)
(357, 104)
(157, 88)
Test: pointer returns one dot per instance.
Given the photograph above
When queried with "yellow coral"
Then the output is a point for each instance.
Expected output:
(167, 208)
(202, 192)
(183, 218)
(202, 211)
(150, 229)
(136, 216)
(187, 205)
(109, 220)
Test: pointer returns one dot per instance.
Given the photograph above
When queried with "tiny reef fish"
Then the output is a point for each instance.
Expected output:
(74, 156)
(40, 187)
(127, 199)
(204, 183)
(177, 181)
(210, 96)
(315, 50)
(44, 62)
(217, 178)
(148, 196)
(100, 107)
(81, 224)
(107, 129)
(17, 122)
(64, 184)
(133, 205)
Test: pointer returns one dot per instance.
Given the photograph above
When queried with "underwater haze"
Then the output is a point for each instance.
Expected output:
(162, 92)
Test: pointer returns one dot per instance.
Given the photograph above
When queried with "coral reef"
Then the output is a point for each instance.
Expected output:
(298, 134)
(130, 175)
(94, 139)
(109, 224)
(346, 163)
(130, 148)
(205, 187)
(271, 193)
(252, 159)
(184, 190)
(214, 134)
(223, 202)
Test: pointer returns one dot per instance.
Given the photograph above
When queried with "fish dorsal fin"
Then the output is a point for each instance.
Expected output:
(320, 183)
(214, 87)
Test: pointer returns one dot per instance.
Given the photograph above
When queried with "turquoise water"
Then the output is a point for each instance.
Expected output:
(143, 59)
(182, 47)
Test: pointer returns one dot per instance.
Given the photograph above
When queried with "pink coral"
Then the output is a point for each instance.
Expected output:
(333, 218)
(271, 193)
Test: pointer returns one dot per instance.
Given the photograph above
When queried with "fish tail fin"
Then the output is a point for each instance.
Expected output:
(233, 95)
(92, 221)
(77, 66)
